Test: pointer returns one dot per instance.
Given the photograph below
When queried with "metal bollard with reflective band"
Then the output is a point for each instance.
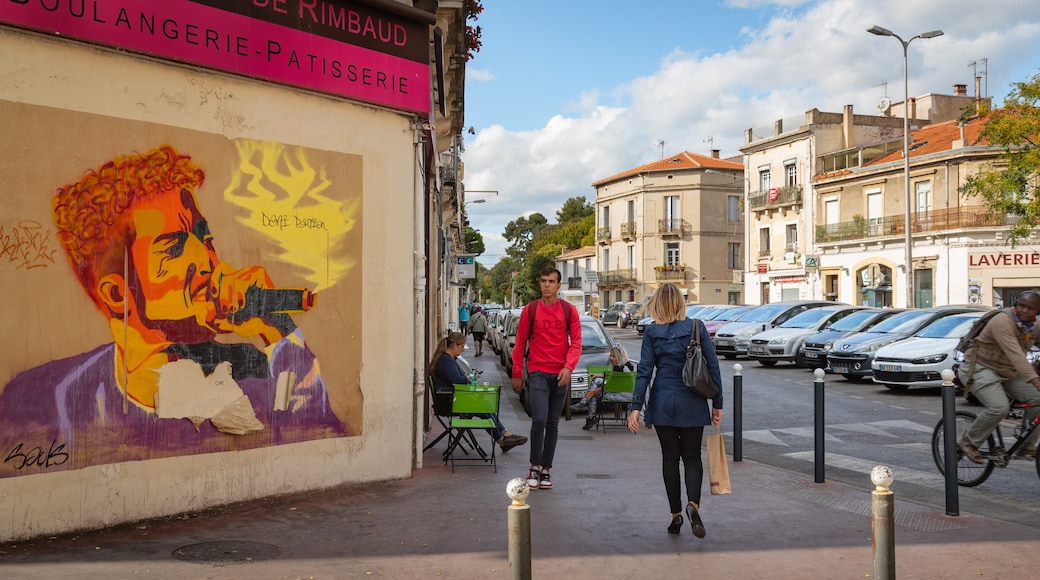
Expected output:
(738, 413)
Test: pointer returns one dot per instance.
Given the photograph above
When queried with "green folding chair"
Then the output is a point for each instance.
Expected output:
(471, 407)
(616, 382)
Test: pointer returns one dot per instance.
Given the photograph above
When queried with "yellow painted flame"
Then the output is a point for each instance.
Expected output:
(285, 197)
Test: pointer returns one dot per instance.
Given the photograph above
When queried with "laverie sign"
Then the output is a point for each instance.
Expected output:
(1003, 259)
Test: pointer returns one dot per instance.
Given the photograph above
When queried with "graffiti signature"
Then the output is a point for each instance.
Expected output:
(36, 456)
(27, 245)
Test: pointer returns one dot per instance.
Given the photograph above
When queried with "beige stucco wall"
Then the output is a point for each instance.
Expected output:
(68, 76)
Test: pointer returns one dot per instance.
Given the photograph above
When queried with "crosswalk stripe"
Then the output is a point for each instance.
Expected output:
(863, 428)
(807, 432)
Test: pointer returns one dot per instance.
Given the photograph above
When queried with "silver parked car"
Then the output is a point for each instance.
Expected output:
(783, 342)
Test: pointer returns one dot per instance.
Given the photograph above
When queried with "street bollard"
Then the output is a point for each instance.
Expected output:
(738, 413)
(818, 421)
(949, 419)
(882, 524)
(518, 520)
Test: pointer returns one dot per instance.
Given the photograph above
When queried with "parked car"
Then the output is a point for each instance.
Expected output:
(733, 339)
(621, 313)
(851, 356)
(730, 315)
(504, 349)
(918, 361)
(595, 350)
(815, 348)
(783, 342)
(691, 312)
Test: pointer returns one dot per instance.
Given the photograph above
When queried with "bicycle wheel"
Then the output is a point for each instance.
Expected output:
(969, 473)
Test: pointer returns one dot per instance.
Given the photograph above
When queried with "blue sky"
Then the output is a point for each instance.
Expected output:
(564, 93)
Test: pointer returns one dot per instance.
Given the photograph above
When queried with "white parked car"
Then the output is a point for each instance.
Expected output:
(918, 361)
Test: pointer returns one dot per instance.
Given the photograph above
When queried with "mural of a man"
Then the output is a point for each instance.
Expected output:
(178, 378)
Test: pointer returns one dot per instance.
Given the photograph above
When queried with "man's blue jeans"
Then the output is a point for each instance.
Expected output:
(547, 398)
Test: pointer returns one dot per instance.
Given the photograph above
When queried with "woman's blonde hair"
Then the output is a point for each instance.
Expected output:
(667, 305)
(453, 339)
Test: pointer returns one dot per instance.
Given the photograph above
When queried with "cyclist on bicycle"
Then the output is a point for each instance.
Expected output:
(996, 368)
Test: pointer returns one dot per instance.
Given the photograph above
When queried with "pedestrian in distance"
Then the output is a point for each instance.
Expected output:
(676, 413)
(446, 374)
(464, 318)
(548, 336)
(996, 372)
(478, 328)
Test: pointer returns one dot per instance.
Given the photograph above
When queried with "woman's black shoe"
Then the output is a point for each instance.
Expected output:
(676, 526)
(695, 520)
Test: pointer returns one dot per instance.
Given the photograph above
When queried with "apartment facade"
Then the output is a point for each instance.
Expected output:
(783, 209)
(959, 252)
(578, 277)
(676, 220)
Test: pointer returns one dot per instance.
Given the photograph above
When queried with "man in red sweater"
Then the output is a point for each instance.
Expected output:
(552, 339)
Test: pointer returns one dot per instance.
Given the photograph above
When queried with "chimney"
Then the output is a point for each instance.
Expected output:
(960, 90)
(848, 120)
(714, 153)
(913, 107)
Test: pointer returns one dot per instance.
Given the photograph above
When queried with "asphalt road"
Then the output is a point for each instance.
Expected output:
(866, 425)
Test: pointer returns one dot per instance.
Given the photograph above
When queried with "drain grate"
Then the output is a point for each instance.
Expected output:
(227, 553)
(593, 476)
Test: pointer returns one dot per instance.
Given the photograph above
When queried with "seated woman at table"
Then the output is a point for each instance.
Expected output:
(619, 362)
(446, 374)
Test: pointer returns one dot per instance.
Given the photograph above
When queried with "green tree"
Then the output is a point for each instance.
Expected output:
(474, 241)
(1013, 185)
(573, 209)
(521, 232)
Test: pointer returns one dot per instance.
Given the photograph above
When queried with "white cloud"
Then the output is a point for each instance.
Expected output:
(479, 75)
(816, 55)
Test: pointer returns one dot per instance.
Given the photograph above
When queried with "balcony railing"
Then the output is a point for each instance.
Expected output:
(673, 227)
(670, 272)
(786, 195)
(574, 283)
(603, 234)
(617, 277)
(628, 230)
(957, 218)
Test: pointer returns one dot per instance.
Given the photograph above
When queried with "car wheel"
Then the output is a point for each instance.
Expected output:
(892, 387)
(851, 377)
(620, 323)
(767, 363)
(799, 361)
(728, 356)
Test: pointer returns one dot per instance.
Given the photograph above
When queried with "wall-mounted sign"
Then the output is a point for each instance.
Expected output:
(812, 261)
(465, 267)
(349, 49)
(763, 268)
(1003, 259)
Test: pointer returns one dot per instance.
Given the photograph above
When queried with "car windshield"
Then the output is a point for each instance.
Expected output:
(949, 326)
(764, 313)
(734, 313)
(904, 322)
(694, 309)
(593, 337)
(808, 319)
(853, 322)
(709, 313)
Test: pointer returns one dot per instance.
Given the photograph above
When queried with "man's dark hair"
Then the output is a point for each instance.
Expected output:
(549, 270)
(1026, 294)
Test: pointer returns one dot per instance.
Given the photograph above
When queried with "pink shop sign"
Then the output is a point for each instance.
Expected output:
(348, 49)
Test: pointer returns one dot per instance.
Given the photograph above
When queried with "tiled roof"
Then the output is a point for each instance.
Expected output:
(586, 252)
(936, 139)
(684, 160)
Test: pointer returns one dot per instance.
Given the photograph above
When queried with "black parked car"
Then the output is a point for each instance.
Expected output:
(621, 313)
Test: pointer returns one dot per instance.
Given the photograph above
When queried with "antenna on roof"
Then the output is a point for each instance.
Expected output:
(985, 75)
(710, 141)
(660, 143)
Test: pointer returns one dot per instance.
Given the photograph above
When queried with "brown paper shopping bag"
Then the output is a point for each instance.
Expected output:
(718, 469)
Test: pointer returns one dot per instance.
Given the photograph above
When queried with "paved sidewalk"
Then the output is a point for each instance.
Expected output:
(605, 518)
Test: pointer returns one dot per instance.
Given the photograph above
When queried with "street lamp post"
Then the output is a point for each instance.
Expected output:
(906, 154)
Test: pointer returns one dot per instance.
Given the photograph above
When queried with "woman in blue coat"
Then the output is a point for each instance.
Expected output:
(677, 413)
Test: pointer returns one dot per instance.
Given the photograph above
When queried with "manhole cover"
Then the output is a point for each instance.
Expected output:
(225, 553)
